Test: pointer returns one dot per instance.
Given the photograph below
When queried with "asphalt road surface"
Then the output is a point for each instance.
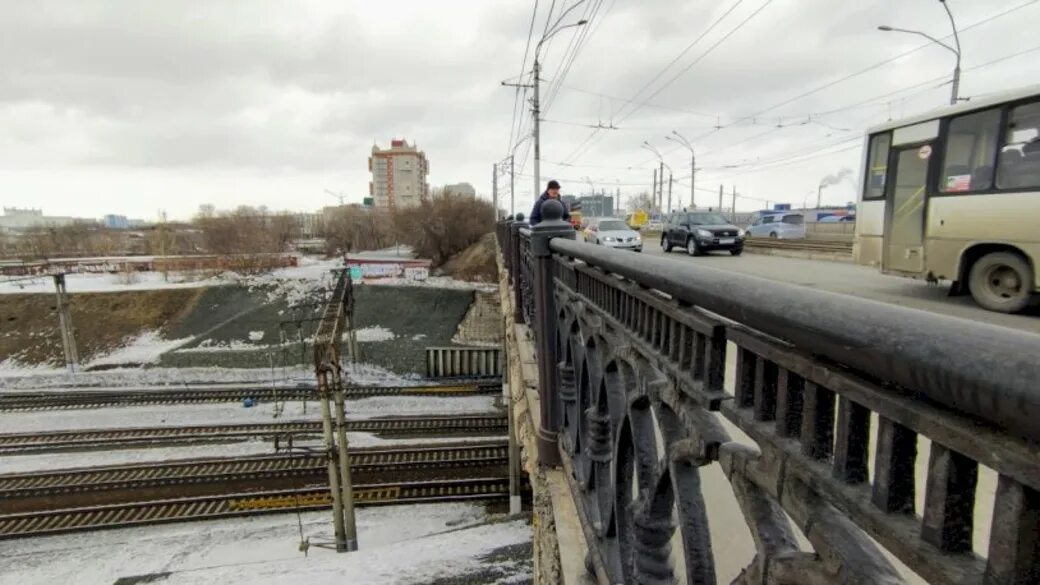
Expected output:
(853, 279)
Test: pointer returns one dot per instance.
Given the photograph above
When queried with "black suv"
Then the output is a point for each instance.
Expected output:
(701, 231)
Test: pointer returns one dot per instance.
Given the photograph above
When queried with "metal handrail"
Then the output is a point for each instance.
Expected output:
(982, 370)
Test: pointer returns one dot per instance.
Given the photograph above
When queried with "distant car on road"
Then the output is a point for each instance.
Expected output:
(699, 232)
(613, 233)
(779, 226)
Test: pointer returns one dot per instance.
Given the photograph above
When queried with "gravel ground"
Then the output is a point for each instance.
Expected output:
(236, 327)
(419, 317)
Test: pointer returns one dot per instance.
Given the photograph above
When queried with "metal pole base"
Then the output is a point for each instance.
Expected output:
(548, 448)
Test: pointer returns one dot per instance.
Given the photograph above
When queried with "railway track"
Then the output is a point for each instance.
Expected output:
(208, 507)
(254, 469)
(81, 439)
(834, 246)
(77, 399)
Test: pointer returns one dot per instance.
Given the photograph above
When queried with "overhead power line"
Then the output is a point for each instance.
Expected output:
(516, 94)
(699, 58)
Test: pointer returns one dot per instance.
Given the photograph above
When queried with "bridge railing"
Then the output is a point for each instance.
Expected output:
(642, 359)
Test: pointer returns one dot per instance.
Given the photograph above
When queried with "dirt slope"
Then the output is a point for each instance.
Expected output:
(475, 264)
(29, 322)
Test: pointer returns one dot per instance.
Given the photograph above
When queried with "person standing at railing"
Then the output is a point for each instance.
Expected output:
(552, 191)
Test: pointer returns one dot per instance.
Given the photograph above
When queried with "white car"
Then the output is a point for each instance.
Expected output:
(613, 233)
(779, 226)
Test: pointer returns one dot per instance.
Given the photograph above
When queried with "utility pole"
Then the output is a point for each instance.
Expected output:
(537, 136)
(653, 194)
(512, 188)
(720, 198)
(162, 244)
(669, 210)
(536, 105)
(676, 137)
(68, 335)
(734, 209)
(693, 177)
(494, 188)
(660, 187)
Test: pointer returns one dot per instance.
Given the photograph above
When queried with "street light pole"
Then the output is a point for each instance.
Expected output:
(536, 106)
(955, 94)
(693, 163)
(512, 188)
(956, 84)
(537, 133)
(659, 195)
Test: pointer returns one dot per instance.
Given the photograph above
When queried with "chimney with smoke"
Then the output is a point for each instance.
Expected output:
(831, 180)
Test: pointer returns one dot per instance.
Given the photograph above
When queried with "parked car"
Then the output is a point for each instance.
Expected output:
(779, 226)
(613, 233)
(699, 232)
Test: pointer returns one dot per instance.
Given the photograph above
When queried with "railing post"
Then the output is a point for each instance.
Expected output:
(517, 263)
(545, 323)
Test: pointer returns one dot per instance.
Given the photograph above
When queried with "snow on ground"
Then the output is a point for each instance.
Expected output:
(78, 283)
(432, 282)
(146, 348)
(13, 376)
(208, 345)
(370, 334)
(373, 375)
(397, 544)
(205, 414)
(52, 461)
(394, 252)
(16, 377)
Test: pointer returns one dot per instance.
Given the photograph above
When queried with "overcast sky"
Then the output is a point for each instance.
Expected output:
(132, 107)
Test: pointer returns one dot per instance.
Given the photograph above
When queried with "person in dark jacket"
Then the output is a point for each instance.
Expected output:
(552, 191)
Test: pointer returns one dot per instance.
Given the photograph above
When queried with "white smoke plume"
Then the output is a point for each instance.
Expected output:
(836, 178)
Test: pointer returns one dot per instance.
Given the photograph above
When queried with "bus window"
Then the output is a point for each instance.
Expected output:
(971, 147)
(877, 166)
(1020, 158)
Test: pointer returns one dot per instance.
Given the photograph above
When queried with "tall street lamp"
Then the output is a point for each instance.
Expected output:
(535, 102)
(660, 182)
(956, 51)
(676, 137)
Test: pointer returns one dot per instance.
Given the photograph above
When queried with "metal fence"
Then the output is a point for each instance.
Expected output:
(641, 358)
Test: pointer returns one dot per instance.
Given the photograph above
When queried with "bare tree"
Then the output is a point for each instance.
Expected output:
(243, 234)
(352, 228)
(641, 201)
(445, 225)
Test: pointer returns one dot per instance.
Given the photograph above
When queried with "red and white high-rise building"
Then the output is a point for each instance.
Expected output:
(398, 176)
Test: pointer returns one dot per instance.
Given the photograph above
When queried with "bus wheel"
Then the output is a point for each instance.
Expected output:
(1001, 281)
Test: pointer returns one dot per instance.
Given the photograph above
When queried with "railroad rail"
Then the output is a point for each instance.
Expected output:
(835, 246)
(84, 399)
(209, 507)
(105, 438)
(259, 467)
